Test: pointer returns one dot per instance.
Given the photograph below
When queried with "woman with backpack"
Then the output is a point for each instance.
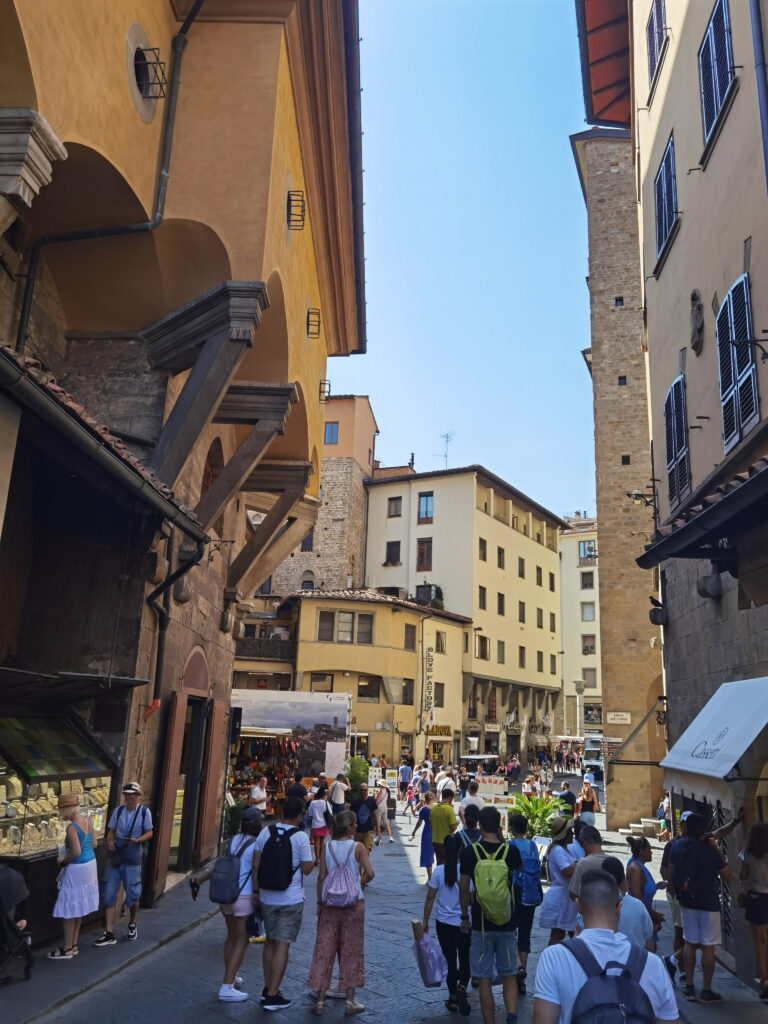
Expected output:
(345, 870)
(558, 910)
(754, 871)
(528, 892)
(427, 853)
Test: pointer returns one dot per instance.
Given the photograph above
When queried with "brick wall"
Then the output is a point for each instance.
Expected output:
(630, 667)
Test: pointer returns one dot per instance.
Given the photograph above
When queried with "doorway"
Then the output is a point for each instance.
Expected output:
(187, 798)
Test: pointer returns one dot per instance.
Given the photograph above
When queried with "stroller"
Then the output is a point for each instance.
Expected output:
(15, 954)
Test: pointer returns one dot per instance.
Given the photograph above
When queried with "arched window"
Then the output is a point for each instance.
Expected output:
(308, 580)
(214, 463)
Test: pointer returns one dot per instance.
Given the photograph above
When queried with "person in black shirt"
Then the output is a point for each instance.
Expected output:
(567, 796)
(490, 942)
(364, 808)
(297, 788)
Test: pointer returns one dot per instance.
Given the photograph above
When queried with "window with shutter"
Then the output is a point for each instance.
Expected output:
(738, 376)
(665, 187)
(676, 432)
(655, 34)
(716, 71)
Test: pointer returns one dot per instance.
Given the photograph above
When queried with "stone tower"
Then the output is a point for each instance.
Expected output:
(631, 665)
(331, 557)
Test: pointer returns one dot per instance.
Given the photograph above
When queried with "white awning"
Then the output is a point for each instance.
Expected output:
(723, 730)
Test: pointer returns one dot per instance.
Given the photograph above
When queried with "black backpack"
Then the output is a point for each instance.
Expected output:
(610, 998)
(225, 885)
(276, 868)
(691, 883)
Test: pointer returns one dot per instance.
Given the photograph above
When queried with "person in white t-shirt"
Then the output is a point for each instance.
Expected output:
(281, 909)
(560, 978)
(471, 799)
(453, 941)
(634, 919)
(258, 795)
(318, 823)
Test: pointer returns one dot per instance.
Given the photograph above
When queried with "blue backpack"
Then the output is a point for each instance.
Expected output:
(528, 877)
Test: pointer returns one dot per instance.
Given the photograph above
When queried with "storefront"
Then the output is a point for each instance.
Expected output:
(440, 744)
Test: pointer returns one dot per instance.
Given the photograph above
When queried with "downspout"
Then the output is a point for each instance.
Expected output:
(758, 44)
(178, 45)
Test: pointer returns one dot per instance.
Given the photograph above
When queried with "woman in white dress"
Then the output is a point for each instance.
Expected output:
(79, 890)
(558, 910)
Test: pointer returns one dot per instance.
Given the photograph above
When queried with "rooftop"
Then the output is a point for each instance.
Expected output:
(371, 597)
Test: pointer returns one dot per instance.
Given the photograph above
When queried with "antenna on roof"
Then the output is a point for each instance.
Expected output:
(447, 438)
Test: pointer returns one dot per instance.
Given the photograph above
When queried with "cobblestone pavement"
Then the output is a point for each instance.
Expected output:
(179, 981)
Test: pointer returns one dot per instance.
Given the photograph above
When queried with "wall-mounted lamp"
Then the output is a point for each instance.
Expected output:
(647, 500)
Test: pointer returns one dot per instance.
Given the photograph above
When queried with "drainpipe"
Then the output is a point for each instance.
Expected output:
(164, 615)
(758, 44)
(178, 45)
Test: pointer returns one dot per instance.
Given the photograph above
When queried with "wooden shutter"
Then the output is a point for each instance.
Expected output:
(211, 805)
(721, 51)
(666, 197)
(157, 868)
(709, 106)
(676, 433)
(738, 375)
(654, 34)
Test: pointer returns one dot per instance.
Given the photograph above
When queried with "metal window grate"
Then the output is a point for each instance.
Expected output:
(296, 210)
(325, 391)
(150, 72)
(313, 323)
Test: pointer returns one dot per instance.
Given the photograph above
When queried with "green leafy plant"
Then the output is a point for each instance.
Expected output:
(538, 810)
(232, 817)
(357, 772)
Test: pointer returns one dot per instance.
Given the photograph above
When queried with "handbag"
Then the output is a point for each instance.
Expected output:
(328, 816)
(433, 966)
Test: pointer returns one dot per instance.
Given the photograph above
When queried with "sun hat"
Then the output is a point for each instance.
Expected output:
(559, 827)
(132, 787)
(384, 783)
(68, 800)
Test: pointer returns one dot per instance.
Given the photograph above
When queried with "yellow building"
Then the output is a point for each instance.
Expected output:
(401, 663)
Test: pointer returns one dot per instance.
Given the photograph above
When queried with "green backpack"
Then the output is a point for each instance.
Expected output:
(492, 889)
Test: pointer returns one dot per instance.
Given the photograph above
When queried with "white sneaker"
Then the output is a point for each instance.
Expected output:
(229, 994)
(391, 839)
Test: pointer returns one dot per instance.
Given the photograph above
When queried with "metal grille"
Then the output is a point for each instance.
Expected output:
(313, 323)
(296, 211)
(726, 899)
(150, 72)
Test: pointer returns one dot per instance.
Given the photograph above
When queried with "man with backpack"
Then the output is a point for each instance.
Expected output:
(364, 808)
(695, 869)
(489, 865)
(527, 891)
(281, 856)
(582, 980)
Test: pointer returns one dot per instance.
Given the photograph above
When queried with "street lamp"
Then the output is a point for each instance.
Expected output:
(579, 685)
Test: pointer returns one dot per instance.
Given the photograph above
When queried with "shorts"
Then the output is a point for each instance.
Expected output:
(318, 833)
(493, 953)
(381, 814)
(756, 907)
(366, 838)
(587, 817)
(242, 907)
(130, 877)
(337, 808)
(701, 927)
(675, 910)
(282, 924)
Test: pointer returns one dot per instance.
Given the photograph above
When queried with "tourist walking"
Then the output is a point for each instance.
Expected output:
(427, 853)
(567, 797)
(382, 809)
(560, 976)
(364, 809)
(469, 799)
(696, 866)
(558, 911)
(640, 881)
(79, 881)
(319, 813)
(493, 948)
(528, 893)
(443, 895)
(592, 844)
(345, 871)
(128, 829)
(404, 776)
(754, 871)
(587, 803)
(338, 794)
(411, 801)
(634, 921)
(443, 822)
(278, 888)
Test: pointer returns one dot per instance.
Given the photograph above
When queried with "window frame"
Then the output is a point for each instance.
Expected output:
(483, 647)
(394, 544)
(308, 542)
(500, 557)
(588, 573)
(731, 357)
(326, 676)
(358, 617)
(407, 627)
(521, 568)
(539, 661)
(539, 618)
(321, 613)
(423, 554)
(399, 506)
(501, 652)
(655, 38)
(552, 622)
(588, 604)
(439, 695)
(539, 576)
(332, 433)
(367, 681)
(666, 214)
(521, 611)
(429, 504)
(482, 549)
(588, 649)
(720, 90)
(441, 642)
(552, 582)
(501, 604)
(553, 664)
(482, 598)
(521, 656)
(343, 616)
(676, 436)
(408, 692)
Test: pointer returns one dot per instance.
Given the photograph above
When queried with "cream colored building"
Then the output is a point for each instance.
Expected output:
(465, 539)
(581, 709)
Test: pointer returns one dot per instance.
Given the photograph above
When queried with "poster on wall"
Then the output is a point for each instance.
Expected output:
(304, 725)
(335, 758)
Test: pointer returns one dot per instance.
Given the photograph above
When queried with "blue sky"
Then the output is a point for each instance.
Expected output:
(476, 242)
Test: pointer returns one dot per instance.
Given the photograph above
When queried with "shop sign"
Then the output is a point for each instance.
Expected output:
(440, 730)
(490, 727)
(618, 718)
(429, 687)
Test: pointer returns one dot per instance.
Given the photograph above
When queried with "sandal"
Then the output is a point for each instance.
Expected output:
(352, 1007)
(451, 1005)
(75, 951)
(60, 954)
(318, 1008)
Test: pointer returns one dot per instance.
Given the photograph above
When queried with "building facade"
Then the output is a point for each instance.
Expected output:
(581, 708)
(466, 540)
(165, 321)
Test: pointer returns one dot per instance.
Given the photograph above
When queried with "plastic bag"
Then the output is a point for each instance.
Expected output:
(432, 964)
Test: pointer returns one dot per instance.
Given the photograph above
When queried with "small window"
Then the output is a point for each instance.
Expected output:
(618, 301)
(654, 37)
(539, 661)
(552, 623)
(426, 506)
(500, 604)
(665, 190)
(622, 382)
(539, 576)
(439, 695)
(364, 628)
(407, 692)
(483, 648)
(553, 664)
(466, 643)
(482, 550)
(481, 598)
(249, 632)
(625, 460)
(552, 582)
(589, 675)
(521, 657)
(500, 651)
(266, 587)
(409, 637)
(716, 70)
(588, 641)
(321, 682)
(738, 380)
(540, 618)
(331, 435)
(500, 558)
(521, 611)
(587, 549)
(424, 554)
(308, 580)
(587, 581)
(587, 611)
(394, 508)
(392, 556)
(676, 434)
(325, 626)
(440, 641)
(368, 689)
(521, 568)
(345, 629)
(309, 541)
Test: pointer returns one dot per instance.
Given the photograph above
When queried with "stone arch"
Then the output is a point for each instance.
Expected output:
(195, 678)
(214, 463)
(308, 580)
(268, 359)
(17, 85)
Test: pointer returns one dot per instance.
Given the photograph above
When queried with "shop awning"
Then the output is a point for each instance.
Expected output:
(703, 759)
(41, 748)
(19, 688)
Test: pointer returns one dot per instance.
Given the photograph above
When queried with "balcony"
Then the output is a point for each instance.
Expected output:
(585, 561)
(265, 648)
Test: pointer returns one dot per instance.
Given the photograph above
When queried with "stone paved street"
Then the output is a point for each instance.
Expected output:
(178, 982)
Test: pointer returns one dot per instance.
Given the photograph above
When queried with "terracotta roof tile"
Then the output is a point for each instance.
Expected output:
(373, 597)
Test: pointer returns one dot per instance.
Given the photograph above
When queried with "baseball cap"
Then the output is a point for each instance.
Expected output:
(685, 815)
(132, 787)
(251, 814)
(322, 775)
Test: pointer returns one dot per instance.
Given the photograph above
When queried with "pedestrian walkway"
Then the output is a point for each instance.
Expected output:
(172, 974)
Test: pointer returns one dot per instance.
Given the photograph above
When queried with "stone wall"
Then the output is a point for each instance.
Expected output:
(339, 536)
(630, 667)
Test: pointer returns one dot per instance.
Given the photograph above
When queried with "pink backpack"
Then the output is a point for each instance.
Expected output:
(341, 887)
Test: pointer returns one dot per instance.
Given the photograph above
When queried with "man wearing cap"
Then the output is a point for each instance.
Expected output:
(127, 830)
(340, 787)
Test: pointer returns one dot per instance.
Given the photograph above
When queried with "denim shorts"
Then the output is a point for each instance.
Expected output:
(130, 877)
(493, 953)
